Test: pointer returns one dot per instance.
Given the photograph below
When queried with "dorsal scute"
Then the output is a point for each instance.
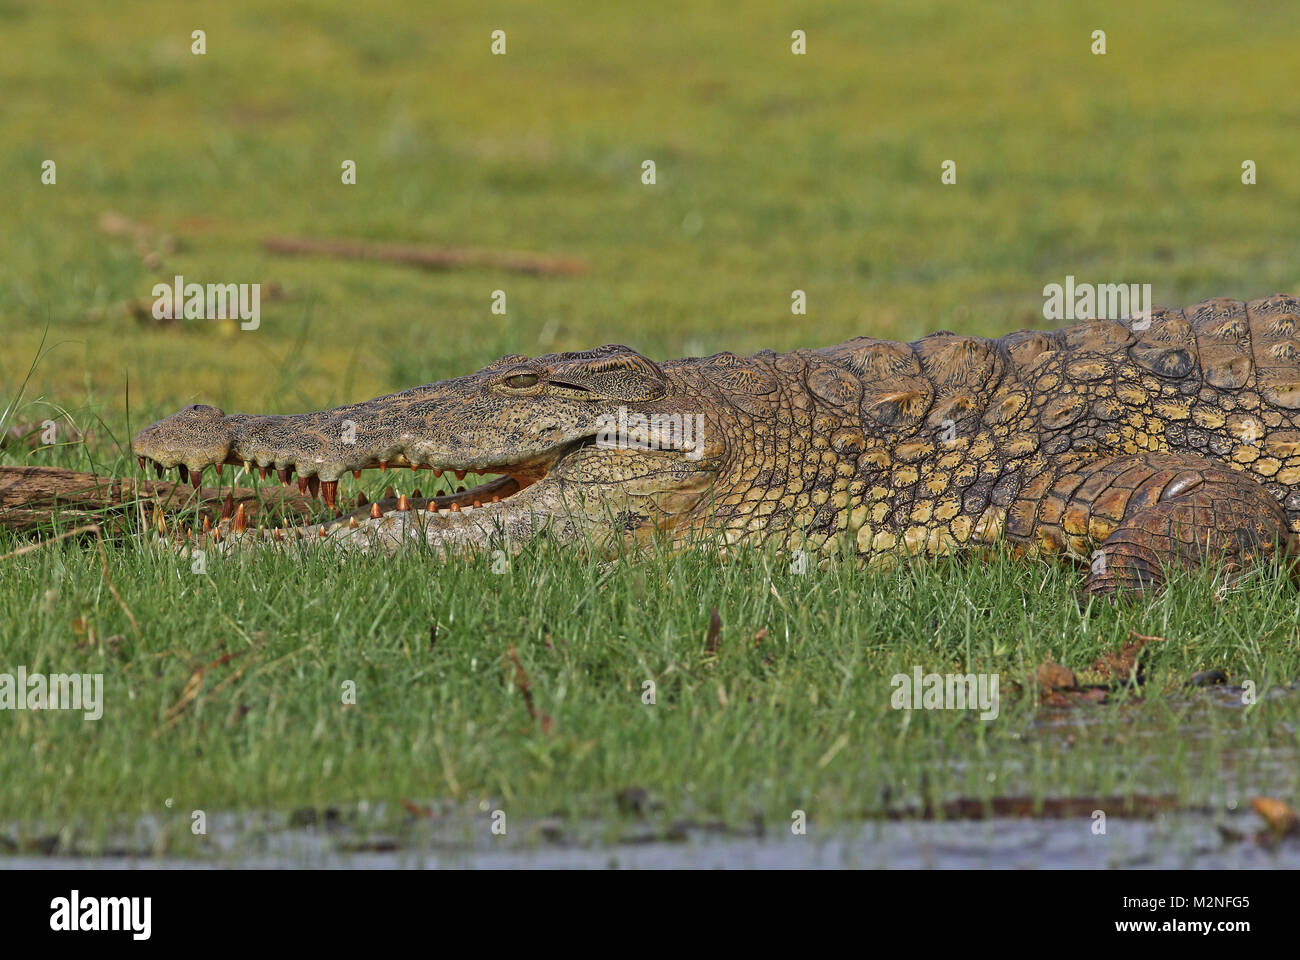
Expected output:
(965, 372)
(833, 384)
(1164, 344)
(1275, 348)
(723, 359)
(1025, 347)
(1098, 336)
(958, 364)
(893, 393)
(744, 382)
(748, 379)
(873, 359)
(1222, 332)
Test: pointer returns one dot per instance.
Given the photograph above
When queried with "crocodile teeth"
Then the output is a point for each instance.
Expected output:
(284, 473)
(330, 490)
(375, 512)
(184, 472)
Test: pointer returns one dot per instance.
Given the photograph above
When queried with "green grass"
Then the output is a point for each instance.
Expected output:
(800, 719)
(775, 173)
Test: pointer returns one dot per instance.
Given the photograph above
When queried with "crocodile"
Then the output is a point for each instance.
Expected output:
(1134, 447)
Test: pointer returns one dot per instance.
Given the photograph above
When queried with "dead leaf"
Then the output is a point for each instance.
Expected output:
(416, 811)
(1122, 665)
(1053, 676)
(1281, 818)
(714, 636)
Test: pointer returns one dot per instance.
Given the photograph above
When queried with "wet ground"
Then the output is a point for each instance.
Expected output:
(1144, 830)
(1000, 835)
(1163, 842)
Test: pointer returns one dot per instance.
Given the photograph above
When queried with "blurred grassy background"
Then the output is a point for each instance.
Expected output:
(775, 172)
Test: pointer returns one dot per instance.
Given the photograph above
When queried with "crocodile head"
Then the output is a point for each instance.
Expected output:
(603, 440)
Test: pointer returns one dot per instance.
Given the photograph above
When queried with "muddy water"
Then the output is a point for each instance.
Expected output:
(1164, 842)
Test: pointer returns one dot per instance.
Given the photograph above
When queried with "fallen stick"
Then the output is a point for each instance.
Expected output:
(526, 688)
(30, 497)
(430, 257)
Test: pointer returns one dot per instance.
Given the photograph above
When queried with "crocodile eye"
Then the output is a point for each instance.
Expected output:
(522, 380)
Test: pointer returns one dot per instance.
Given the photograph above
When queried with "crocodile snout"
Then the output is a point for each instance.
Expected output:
(194, 437)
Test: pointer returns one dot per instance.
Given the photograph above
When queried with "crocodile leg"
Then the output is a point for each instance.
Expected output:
(1132, 518)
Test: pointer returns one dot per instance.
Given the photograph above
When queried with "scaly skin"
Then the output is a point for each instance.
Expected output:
(1127, 446)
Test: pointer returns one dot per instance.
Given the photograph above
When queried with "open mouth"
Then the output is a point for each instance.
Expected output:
(497, 483)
